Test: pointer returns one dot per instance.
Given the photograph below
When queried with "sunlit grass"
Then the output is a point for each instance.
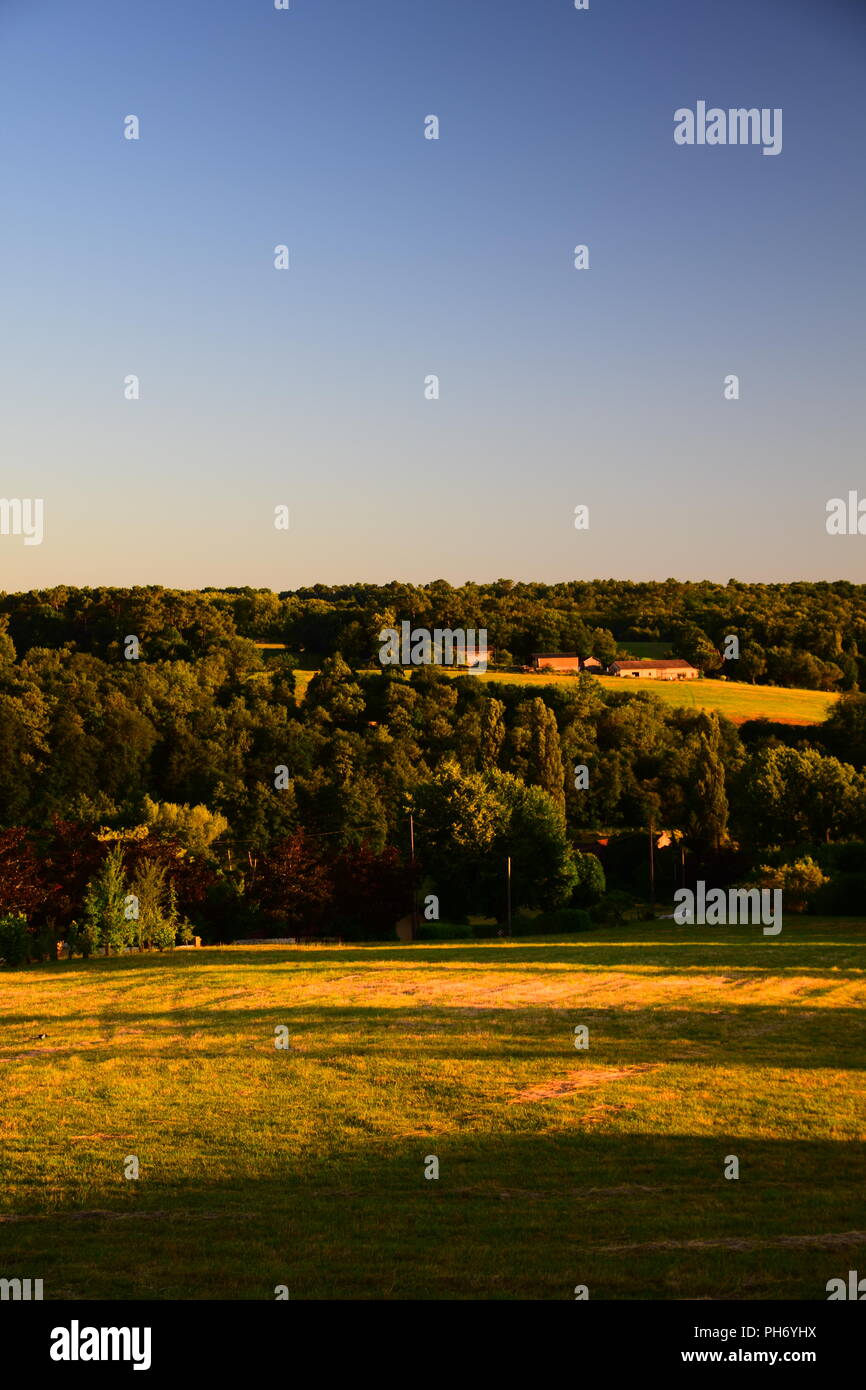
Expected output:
(306, 1167)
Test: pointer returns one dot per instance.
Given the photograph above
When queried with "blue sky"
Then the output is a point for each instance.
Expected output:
(411, 257)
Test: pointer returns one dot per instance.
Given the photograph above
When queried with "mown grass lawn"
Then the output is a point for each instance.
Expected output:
(558, 1167)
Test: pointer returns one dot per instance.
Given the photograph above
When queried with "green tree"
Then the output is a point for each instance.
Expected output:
(590, 882)
(334, 695)
(532, 831)
(604, 645)
(799, 882)
(492, 732)
(151, 891)
(105, 916)
(195, 827)
(535, 750)
(751, 663)
(844, 730)
(788, 795)
(458, 817)
(692, 643)
(468, 824)
(708, 815)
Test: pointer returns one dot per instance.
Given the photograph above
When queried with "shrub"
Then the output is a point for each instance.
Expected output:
(445, 931)
(615, 907)
(81, 939)
(15, 939)
(89, 941)
(163, 934)
(844, 896)
(559, 921)
(843, 857)
(46, 942)
(799, 882)
(590, 884)
(570, 919)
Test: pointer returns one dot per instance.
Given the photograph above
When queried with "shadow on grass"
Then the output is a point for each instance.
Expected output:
(510, 1216)
(789, 1035)
(743, 948)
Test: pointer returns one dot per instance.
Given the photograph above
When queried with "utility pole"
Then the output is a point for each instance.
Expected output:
(652, 869)
(508, 881)
(414, 936)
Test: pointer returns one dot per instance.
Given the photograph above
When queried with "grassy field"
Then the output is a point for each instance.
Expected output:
(558, 1167)
(737, 700)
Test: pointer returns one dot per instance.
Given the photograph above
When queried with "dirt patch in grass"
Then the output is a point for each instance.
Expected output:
(126, 1216)
(100, 1136)
(829, 1239)
(578, 1081)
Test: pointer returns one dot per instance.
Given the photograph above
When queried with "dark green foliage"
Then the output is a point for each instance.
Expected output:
(535, 752)
(590, 885)
(468, 826)
(843, 896)
(799, 633)
(561, 921)
(15, 940)
(445, 931)
(708, 812)
(371, 891)
(45, 942)
(105, 914)
(189, 738)
(844, 732)
(843, 857)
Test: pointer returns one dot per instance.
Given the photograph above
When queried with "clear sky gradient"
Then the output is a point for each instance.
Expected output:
(411, 257)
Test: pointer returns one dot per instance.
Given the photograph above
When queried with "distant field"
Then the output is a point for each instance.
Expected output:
(557, 1167)
(735, 699)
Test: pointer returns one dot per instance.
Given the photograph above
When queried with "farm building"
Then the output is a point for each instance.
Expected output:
(564, 661)
(664, 669)
(555, 661)
(485, 656)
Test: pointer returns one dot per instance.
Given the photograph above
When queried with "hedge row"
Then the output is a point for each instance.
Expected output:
(564, 921)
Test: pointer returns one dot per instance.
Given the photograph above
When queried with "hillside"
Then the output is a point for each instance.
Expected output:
(736, 700)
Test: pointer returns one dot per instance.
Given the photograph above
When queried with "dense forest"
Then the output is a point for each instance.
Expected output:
(807, 635)
(251, 809)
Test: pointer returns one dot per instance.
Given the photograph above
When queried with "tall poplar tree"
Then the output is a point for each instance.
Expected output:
(709, 809)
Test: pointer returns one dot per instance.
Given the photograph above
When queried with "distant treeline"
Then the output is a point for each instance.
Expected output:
(261, 809)
(799, 634)
(215, 740)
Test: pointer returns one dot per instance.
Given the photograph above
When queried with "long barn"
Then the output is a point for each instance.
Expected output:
(664, 669)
